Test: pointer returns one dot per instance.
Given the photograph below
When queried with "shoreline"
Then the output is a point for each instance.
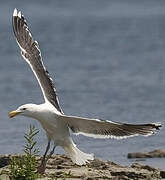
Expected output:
(61, 167)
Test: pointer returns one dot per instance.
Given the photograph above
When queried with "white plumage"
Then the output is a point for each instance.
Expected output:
(50, 114)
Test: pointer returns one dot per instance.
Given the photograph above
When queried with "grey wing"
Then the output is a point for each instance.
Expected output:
(108, 129)
(32, 54)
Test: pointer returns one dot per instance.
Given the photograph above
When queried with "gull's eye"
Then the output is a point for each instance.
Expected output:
(23, 109)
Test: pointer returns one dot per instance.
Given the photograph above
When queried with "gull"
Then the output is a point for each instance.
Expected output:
(56, 124)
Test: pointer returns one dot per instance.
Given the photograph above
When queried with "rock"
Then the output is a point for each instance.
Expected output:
(61, 167)
(4, 177)
(152, 154)
(162, 174)
(4, 160)
(140, 166)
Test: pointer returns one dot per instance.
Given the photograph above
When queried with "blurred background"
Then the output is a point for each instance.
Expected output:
(107, 59)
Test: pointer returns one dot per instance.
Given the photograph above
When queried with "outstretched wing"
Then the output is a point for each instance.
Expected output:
(32, 54)
(108, 129)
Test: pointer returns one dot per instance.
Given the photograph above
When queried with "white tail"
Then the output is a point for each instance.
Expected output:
(77, 156)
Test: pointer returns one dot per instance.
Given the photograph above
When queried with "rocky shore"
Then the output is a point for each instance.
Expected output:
(158, 153)
(60, 167)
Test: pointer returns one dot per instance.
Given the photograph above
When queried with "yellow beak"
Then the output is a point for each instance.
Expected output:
(13, 113)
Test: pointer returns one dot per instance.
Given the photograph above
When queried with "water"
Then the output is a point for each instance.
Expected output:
(107, 59)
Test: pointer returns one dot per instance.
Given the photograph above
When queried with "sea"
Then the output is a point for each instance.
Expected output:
(107, 59)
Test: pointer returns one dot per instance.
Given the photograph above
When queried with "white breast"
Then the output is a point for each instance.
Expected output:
(55, 129)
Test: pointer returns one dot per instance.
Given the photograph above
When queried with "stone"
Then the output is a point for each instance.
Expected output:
(61, 167)
(159, 153)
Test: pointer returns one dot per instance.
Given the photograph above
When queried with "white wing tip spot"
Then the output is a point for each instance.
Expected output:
(158, 124)
(15, 12)
(19, 14)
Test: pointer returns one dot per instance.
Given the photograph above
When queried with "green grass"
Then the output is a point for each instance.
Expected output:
(24, 167)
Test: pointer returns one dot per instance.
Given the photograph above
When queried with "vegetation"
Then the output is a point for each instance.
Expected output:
(24, 167)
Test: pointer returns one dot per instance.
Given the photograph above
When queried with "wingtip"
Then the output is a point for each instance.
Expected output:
(15, 12)
(157, 125)
(19, 14)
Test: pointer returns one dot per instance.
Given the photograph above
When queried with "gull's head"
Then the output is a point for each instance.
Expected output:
(28, 110)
